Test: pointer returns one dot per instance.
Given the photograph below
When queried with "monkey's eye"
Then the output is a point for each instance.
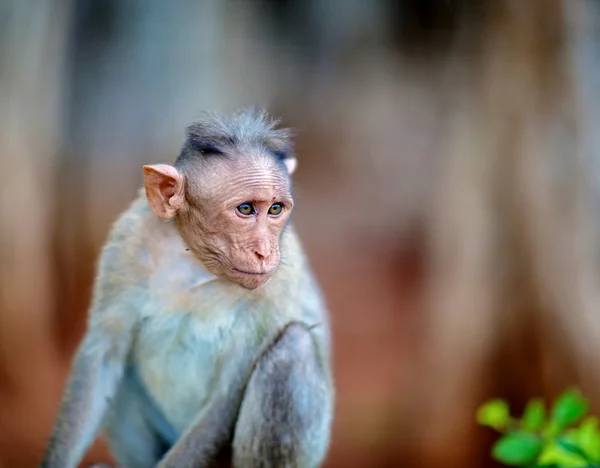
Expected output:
(275, 209)
(246, 209)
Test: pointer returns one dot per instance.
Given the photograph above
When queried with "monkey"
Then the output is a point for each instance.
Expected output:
(207, 331)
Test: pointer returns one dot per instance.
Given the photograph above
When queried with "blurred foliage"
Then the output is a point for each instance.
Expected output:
(539, 439)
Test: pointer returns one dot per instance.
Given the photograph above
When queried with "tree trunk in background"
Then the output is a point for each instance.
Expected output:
(514, 261)
(31, 84)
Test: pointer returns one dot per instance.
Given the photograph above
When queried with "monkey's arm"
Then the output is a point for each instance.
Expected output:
(201, 444)
(285, 413)
(97, 367)
(120, 290)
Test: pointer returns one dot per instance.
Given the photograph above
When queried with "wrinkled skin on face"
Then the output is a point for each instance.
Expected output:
(230, 212)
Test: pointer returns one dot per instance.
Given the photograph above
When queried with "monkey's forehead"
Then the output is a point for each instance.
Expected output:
(247, 179)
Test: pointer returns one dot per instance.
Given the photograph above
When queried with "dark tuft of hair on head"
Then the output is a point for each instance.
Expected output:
(214, 134)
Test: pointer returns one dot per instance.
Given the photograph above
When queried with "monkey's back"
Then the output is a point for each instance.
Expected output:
(198, 334)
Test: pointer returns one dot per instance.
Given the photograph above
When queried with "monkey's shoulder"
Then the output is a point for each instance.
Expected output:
(138, 244)
(124, 247)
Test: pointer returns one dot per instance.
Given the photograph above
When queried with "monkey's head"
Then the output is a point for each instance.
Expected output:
(230, 194)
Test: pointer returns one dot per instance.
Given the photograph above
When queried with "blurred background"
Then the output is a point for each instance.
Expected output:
(447, 193)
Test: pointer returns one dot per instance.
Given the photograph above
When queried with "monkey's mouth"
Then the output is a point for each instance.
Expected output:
(267, 273)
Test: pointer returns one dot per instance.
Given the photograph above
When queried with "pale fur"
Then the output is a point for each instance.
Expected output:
(192, 338)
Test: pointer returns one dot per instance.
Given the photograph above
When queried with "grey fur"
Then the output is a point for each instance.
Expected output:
(281, 421)
(179, 365)
(249, 127)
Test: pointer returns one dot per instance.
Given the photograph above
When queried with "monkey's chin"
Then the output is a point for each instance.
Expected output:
(250, 280)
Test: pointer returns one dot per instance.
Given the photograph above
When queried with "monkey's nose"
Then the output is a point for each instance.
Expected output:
(262, 250)
(261, 255)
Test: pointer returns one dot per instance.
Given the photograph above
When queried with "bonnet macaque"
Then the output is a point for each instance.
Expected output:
(207, 332)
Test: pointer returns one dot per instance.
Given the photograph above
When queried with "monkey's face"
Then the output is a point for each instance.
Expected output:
(234, 215)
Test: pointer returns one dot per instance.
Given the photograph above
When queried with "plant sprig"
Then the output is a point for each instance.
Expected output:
(539, 439)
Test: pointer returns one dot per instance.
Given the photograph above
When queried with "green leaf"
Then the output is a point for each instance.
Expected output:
(570, 437)
(555, 455)
(534, 415)
(517, 449)
(589, 438)
(494, 413)
(569, 446)
(568, 409)
(551, 430)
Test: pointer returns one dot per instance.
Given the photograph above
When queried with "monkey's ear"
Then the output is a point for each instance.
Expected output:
(291, 164)
(164, 189)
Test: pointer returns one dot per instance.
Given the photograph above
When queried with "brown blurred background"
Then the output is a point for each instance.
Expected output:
(447, 192)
